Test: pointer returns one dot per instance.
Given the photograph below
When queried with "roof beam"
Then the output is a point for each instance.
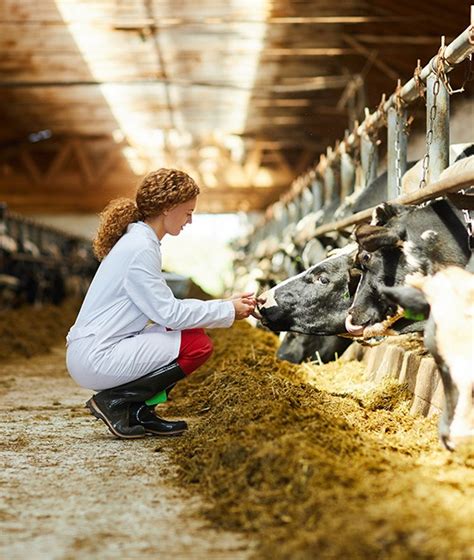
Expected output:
(92, 199)
(298, 85)
(164, 22)
(368, 53)
(381, 40)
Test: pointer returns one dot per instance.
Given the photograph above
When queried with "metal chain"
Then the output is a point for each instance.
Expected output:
(399, 103)
(430, 132)
(372, 134)
(442, 64)
(398, 170)
(420, 86)
(469, 219)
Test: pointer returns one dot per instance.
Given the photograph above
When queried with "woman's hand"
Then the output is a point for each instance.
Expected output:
(239, 296)
(244, 305)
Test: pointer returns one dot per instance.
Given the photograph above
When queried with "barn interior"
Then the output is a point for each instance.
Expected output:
(244, 96)
(251, 98)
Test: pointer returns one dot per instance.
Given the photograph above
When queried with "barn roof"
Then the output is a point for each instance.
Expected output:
(243, 94)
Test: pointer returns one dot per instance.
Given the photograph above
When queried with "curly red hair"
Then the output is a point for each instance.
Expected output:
(159, 191)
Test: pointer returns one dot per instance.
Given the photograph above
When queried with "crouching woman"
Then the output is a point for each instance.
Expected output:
(133, 340)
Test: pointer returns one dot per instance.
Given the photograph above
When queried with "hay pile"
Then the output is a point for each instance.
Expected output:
(315, 473)
(28, 331)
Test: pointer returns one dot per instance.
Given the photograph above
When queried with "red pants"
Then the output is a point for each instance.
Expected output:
(196, 348)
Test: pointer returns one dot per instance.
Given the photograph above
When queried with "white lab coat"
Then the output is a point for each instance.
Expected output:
(112, 342)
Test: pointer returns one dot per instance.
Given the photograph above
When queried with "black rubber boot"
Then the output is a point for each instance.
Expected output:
(116, 415)
(113, 405)
(143, 415)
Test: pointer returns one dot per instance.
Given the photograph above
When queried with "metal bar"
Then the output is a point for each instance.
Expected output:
(283, 219)
(330, 190)
(348, 175)
(317, 191)
(457, 51)
(441, 187)
(437, 124)
(306, 201)
(292, 212)
(369, 159)
(396, 150)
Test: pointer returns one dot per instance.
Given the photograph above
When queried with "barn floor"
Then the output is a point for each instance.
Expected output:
(69, 490)
(281, 461)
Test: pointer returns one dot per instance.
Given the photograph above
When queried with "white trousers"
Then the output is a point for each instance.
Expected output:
(99, 368)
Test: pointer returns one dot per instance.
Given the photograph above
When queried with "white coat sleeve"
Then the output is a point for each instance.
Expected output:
(147, 288)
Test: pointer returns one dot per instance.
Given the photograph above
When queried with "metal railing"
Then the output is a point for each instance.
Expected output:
(333, 178)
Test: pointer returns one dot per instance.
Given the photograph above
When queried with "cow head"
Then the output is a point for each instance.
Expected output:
(315, 301)
(385, 257)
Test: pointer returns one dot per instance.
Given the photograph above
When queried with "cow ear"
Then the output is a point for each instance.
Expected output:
(371, 237)
(385, 212)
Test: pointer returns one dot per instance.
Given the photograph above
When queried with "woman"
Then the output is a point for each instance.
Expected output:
(132, 339)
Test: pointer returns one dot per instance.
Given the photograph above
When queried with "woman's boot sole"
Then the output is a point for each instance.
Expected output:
(95, 410)
(171, 434)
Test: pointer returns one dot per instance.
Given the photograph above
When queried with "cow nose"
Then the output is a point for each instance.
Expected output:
(266, 299)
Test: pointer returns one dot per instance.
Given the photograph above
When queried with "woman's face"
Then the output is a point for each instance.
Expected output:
(176, 218)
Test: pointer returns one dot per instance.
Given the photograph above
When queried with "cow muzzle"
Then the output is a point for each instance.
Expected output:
(354, 330)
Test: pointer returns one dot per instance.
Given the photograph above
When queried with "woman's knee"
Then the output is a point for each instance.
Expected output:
(196, 348)
(208, 346)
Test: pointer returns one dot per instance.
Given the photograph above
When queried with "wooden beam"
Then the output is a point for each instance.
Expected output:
(150, 23)
(253, 161)
(303, 52)
(58, 162)
(284, 167)
(210, 200)
(83, 160)
(21, 58)
(304, 161)
(315, 83)
(114, 157)
(368, 53)
(381, 40)
(30, 165)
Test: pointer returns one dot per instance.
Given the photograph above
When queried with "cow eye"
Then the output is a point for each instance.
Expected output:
(323, 280)
(365, 258)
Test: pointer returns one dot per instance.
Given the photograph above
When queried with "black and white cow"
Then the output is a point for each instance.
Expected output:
(448, 298)
(402, 240)
(316, 301)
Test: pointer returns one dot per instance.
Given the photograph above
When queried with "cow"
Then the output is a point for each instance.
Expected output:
(448, 298)
(316, 301)
(402, 240)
